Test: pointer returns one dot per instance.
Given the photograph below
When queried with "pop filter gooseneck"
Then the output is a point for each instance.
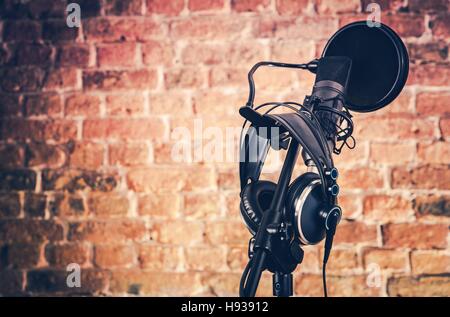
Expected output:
(380, 64)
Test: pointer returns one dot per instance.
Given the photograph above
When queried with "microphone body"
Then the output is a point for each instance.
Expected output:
(331, 82)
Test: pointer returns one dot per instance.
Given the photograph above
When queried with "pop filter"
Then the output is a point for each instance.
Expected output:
(380, 64)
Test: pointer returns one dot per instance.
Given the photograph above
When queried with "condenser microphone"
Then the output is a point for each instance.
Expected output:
(332, 75)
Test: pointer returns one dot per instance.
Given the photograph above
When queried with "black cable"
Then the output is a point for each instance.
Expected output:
(324, 279)
(244, 279)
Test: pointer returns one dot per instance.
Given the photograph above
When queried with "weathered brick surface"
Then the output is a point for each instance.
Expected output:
(87, 168)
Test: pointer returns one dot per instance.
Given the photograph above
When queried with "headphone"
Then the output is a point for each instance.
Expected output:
(306, 205)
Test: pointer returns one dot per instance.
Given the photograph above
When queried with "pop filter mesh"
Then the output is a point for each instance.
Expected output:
(378, 64)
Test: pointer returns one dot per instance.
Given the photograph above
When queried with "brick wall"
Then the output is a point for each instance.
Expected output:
(87, 122)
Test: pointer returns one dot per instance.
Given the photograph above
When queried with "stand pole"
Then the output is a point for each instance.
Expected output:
(283, 284)
(272, 218)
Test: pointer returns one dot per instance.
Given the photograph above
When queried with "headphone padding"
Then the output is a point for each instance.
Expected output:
(311, 228)
(255, 199)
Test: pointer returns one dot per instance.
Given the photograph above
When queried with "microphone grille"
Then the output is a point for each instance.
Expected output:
(334, 68)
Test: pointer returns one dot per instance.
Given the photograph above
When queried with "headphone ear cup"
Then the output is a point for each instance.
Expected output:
(304, 203)
(255, 199)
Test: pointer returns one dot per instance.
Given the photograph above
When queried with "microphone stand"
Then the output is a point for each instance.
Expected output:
(271, 225)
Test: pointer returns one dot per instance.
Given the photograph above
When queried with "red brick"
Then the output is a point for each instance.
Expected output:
(170, 8)
(60, 130)
(120, 79)
(11, 156)
(61, 78)
(415, 235)
(363, 177)
(249, 5)
(423, 177)
(21, 255)
(351, 286)
(124, 129)
(433, 103)
(291, 7)
(93, 282)
(30, 231)
(342, 260)
(202, 206)
(429, 262)
(394, 127)
(123, 7)
(171, 180)
(159, 258)
(37, 9)
(108, 205)
(61, 255)
(386, 259)
(200, 53)
(306, 285)
(67, 206)
(425, 286)
(246, 54)
(10, 105)
(440, 25)
(184, 78)
(202, 5)
(72, 180)
(159, 205)
(351, 205)
(121, 29)
(291, 52)
(431, 206)
(125, 104)
(107, 231)
(115, 55)
(428, 52)
(157, 53)
(45, 155)
(22, 30)
(436, 5)
(429, 75)
(228, 77)
(228, 180)
(332, 7)
(12, 282)
(206, 259)
(57, 31)
(288, 28)
(44, 104)
(17, 180)
(207, 102)
(114, 255)
(237, 258)
(9, 205)
(177, 232)
(21, 79)
(406, 25)
(356, 232)
(172, 103)
(73, 55)
(34, 205)
(444, 125)
(129, 154)
(227, 232)
(386, 208)
(154, 283)
(82, 105)
(33, 54)
(207, 27)
(434, 153)
(392, 153)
